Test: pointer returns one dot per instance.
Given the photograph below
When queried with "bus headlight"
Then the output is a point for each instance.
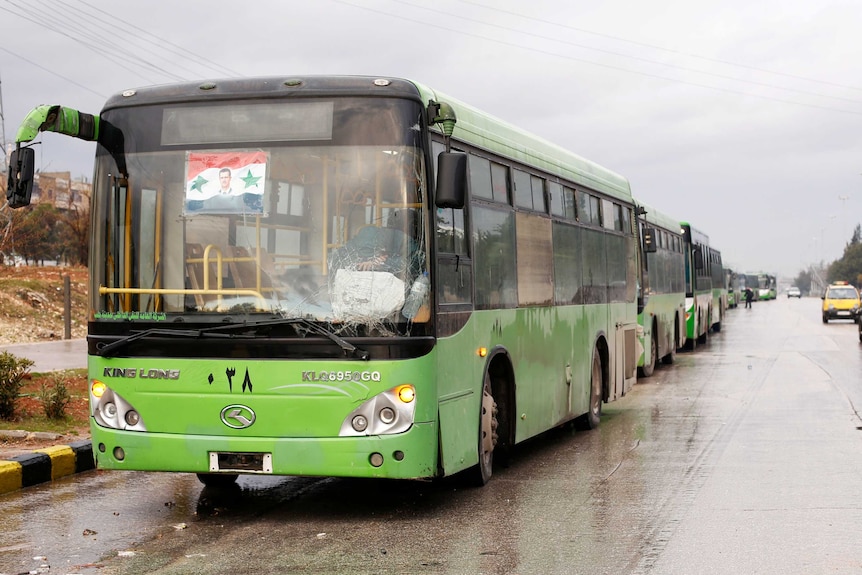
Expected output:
(389, 412)
(387, 415)
(110, 410)
(359, 423)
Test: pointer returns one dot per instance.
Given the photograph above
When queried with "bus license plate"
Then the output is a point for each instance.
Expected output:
(244, 462)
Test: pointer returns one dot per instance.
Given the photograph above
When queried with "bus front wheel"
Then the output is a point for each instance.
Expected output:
(670, 358)
(649, 365)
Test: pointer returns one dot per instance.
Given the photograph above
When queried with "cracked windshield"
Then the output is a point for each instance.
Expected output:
(327, 231)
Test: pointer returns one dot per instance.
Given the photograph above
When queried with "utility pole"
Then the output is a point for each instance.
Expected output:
(843, 216)
(2, 126)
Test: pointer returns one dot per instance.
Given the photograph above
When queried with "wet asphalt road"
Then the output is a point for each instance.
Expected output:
(744, 457)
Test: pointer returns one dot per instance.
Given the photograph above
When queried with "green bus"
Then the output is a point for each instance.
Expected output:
(662, 313)
(748, 281)
(388, 283)
(767, 288)
(731, 282)
(705, 294)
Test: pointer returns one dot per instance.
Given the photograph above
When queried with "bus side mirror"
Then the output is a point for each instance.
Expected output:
(649, 240)
(451, 180)
(19, 186)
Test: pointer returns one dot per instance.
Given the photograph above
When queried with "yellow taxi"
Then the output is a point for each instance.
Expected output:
(840, 301)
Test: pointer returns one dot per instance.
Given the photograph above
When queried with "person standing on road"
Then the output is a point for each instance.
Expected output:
(749, 296)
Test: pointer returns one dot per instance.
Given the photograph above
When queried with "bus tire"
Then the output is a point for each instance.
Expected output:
(704, 337)
(481, 473)
(670, 357)
(691, 343)
(592, 418)
(649, 366)
(218, 480)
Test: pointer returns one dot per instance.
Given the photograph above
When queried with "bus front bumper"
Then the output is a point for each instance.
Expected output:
(408, 455)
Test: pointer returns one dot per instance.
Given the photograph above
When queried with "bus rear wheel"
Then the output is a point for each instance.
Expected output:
(593, 417)
(481, 473)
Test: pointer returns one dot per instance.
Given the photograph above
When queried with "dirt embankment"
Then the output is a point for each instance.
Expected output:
(32, 303)
(32, 310)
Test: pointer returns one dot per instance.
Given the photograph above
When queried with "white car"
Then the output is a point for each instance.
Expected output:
(793, 292)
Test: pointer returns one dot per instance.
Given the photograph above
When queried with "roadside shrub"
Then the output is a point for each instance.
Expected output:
(13, 371)
(55, 397)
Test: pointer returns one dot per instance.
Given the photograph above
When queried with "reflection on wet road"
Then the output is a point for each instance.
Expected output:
(743, 457)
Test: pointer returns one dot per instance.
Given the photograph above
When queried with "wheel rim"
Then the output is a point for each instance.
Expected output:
(653, 350)
(487, 432)
(596, 400)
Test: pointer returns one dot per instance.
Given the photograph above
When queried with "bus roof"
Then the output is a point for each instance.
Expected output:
(659, 219)
(473, 126)
(696, 235)
(491, 133)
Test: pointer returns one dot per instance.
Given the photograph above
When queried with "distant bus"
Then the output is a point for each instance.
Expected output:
(750, 281)
(341, 276)
(662, 318)
(705, 294)
(767, 287)
(732, 283)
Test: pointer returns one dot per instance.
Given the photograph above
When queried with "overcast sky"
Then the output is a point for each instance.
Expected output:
(742, 117)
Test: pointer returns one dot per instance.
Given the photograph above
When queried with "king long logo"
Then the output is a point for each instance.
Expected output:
(238, 416)
(133, 372)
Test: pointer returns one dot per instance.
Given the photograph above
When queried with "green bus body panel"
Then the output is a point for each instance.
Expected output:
(297, 420)
(664, 308)
(541, 344)
(697, 313)
(335, 456)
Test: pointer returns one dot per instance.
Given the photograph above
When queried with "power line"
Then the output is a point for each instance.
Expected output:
(620, 54)
(427, 24)
(53, 73)
(662, 48)
(108, 55)
(175, 49)
(104, 45)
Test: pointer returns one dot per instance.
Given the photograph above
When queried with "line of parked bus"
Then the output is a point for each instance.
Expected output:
(763, 285)
(685, 295)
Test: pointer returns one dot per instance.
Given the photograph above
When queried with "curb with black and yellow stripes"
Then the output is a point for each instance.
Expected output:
(46, 464)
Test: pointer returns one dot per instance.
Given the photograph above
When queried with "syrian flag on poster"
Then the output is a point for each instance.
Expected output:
(247, 174)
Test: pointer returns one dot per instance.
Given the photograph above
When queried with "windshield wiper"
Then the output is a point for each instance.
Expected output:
(109, 350)
(349, 349)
